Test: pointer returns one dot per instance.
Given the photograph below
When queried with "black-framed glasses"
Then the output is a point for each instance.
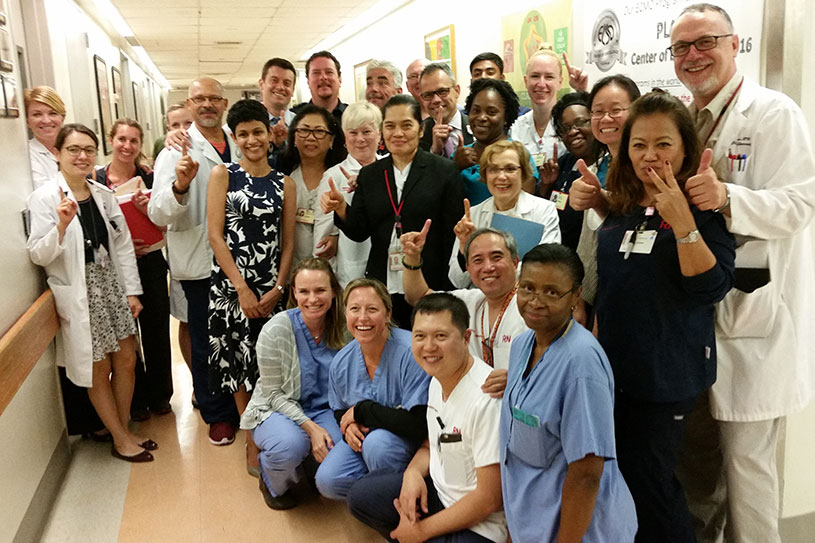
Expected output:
(318, 133)
(548, 295)
(705, 43)
(511, 169)
(441, 92)
(578, 124)
(212, 99)
(89, 151)
(614, 113)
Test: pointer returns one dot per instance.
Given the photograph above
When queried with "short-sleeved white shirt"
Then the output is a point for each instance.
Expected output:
(475, 416)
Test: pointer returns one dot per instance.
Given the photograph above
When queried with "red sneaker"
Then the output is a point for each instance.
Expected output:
(221, 433)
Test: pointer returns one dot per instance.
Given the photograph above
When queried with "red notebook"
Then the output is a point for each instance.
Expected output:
(139, 224)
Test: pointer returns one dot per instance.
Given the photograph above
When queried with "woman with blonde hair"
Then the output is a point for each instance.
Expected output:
(44, 114)
(289, 414)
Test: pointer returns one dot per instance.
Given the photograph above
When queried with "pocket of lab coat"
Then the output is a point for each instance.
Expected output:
(748, 314)
(534, 445)
(455, 463)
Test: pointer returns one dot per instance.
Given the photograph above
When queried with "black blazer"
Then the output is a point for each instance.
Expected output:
(427, 135)
(433, 190)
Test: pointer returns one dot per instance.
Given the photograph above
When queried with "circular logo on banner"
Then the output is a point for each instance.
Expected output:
(533, 34)
(605, 42)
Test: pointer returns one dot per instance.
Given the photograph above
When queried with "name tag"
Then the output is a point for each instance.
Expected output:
(539, 158)
(527, 418)
(643, 243)
(560, 199)
(395, 261)
(305, 215)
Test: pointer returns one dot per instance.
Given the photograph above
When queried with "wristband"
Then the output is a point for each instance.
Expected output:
(413, 268)
(179, 192)
(280, 288)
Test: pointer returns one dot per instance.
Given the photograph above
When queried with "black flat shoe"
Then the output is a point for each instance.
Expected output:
(279, 503)
(139, 414)
(148, 445)
(143, 456)
(104, 437)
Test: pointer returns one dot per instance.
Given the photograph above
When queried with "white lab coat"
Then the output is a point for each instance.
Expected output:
(766, 339)
(44, 165)
(64, 265)
(188, 250)
(529, 208)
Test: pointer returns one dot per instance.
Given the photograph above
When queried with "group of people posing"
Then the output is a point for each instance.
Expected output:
(356, 302)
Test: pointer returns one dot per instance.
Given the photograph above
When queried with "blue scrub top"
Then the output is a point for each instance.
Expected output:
(476, 190)
(558, 414)
(398, 381)
(315, 362)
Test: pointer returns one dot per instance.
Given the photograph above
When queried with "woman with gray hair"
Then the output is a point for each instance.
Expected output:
(360, 124)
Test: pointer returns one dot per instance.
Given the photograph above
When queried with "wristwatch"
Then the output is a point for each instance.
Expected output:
(726, 203)
(692, 237)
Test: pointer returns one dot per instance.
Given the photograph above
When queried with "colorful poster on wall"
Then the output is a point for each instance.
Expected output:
(440, 46)
(632, 38)
(525, 32)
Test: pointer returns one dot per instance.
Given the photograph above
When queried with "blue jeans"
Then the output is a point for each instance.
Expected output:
(217, 406)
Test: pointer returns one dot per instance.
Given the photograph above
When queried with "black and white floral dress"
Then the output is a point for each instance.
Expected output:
(252, 229)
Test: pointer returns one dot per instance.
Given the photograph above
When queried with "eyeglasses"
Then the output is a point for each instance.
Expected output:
(212, 99)
(705, 43)
(318, 133)
(615, 113)
(548, 295)
(512, 169)
(414, 76)
(441, 92)
(74, 150)
(579, 123)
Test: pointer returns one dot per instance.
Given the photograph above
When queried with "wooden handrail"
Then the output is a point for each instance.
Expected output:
(22, 346)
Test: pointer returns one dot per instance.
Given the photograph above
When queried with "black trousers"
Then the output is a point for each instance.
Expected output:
(154, 377)
(648, 441)
(370, 500)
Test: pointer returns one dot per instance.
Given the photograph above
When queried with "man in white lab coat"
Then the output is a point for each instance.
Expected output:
(762, 179)
(179, 202)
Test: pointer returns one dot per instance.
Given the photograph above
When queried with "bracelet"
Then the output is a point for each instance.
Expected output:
(726, 203)
(280, 288)
(175, 189)
(409, 267)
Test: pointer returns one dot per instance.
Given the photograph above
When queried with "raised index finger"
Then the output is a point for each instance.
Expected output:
(670, 180)
(346, 174)
(566, 60)
(466, 209)
(425, 229)
(657, 180)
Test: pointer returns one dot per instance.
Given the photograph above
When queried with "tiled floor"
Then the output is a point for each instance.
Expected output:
(192, 492)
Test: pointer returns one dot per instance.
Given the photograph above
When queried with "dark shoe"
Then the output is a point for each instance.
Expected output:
(149, 445)
(139, 414)
(162, 409)
(279, 503)
(98, 437)
(221, 433)
(143, 456)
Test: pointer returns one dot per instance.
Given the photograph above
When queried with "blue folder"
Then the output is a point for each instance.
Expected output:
(527, 234)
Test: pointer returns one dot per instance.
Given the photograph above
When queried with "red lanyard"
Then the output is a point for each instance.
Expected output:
(397, 211)
(486, 345)
(724, 109)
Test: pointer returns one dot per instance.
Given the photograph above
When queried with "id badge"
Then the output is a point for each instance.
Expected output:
(527, 418)
(540, 159)
(305, 215)
(560, 199)
(395, 256)
(101, 256)
(643, 244)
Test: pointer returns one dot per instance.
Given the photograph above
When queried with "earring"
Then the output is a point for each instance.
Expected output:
(573, 308)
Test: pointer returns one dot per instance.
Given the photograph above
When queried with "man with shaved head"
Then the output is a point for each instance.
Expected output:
(413, 74)
(179, 202)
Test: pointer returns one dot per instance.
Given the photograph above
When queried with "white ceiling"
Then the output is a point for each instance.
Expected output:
(231, 40)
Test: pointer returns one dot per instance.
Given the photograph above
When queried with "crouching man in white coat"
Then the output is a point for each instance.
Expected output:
(761, 176)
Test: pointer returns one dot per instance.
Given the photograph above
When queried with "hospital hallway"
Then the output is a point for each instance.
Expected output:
(193, 492)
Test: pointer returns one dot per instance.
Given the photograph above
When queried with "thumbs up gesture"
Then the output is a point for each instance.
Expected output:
(333, 200)
(185, 170)
(464, 157)
(704, 189)
(586, 191)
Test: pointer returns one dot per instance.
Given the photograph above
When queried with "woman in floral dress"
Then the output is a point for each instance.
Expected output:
(250, 216)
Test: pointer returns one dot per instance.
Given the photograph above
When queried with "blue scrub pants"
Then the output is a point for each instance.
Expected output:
(371, 501)
(218, 407)
(284, 445)
(381, 450)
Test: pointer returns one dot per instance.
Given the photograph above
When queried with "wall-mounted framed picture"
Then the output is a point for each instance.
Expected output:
(12, 103)
(116, 79)
(7, 50)
(3, 12)
(103, 99)
(440, 46)
(360, 76)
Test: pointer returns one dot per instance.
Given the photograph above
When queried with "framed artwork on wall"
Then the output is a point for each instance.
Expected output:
(136, 99)
(7, 51)
(440, 46)
(3, 12)
(103, 99)
(11, 102)
(360, 73)
(116, 79)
